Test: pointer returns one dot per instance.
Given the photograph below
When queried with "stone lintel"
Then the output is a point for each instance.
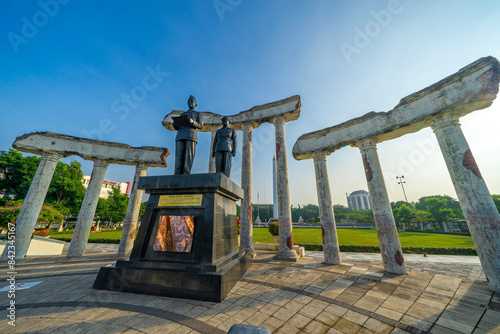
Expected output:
(288, 108)
(474, 87)
(89, 149)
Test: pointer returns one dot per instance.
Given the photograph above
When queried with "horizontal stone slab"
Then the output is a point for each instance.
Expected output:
(474, 87)
(288, 108)
(89, 149)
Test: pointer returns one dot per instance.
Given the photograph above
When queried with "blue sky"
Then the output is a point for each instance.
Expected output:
(67, 66)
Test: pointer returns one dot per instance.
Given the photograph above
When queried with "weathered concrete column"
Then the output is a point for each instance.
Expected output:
(390, 247)
(286, 251)
(475, 199)
(133, 208)
(211, 160)
(331, 251)
(246, 232)
(87, 210)
(28, 215)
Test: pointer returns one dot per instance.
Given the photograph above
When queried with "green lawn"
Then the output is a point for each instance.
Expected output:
(112, 234)
(363, 237)
(312, 236)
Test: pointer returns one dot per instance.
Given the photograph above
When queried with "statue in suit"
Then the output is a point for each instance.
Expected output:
(187, 125)
(224, 147)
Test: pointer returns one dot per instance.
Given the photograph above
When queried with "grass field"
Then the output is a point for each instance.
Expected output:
(364, 237)
(312, 236)
(112, 234)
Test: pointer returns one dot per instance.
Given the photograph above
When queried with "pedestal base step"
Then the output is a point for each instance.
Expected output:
(199, 285)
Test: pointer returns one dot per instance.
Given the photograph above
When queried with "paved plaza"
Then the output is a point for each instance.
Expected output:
(440, 294)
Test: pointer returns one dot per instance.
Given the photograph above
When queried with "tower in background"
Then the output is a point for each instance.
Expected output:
(359, 200)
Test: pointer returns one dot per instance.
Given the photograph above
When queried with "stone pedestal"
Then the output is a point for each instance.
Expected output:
(187, 245)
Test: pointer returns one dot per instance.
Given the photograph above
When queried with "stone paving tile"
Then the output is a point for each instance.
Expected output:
(298, 320)
(422, 311)
(391, 314)
(416, 322)
(288, 329)
(377, 326)
(355, 317)
(346, 326)
(454, 325)
(316, 327)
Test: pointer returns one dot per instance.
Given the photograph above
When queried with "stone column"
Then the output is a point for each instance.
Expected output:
(211, 160)
(246, 232)
(475, 199)
(87, 210)
(133, 208)
(286, 251)
(331, 251)
(28, 215)
(390, 248)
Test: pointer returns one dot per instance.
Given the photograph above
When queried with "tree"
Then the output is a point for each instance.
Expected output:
(142, 210)
(496, 199)
(438, 212)
(117, 206)
(9, 213)
(102, 209)
(66, 189)
(404, 214)
(18, 172)
(397, 204)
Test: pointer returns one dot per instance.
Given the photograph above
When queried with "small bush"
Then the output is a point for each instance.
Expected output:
(92, 241)
(42, 233)
(274, 228)
(406, 250)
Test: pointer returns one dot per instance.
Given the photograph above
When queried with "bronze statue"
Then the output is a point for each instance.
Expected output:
(186, 125)
(224, 147)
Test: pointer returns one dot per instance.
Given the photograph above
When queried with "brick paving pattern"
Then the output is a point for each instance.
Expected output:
(301, 297)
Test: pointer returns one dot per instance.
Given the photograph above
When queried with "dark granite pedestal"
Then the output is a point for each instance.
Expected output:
(187, 244)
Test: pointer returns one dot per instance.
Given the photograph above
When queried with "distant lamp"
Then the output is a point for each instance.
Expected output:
(401, 182)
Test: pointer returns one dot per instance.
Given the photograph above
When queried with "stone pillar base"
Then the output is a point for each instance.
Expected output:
(286, 255)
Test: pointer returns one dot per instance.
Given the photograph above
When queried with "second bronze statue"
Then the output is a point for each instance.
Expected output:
(224, 147)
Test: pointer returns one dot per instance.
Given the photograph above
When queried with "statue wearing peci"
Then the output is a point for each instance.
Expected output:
(224, 147)
(187, 124)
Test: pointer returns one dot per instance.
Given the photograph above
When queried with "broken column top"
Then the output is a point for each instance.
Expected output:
(89, 149)
(474, 87)
(288, 108)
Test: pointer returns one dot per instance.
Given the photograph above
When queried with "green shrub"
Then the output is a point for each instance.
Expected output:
(406, 250)
(274, 228)
(93, 241)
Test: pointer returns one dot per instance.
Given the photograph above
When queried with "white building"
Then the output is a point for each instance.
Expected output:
(107, 186)
(359, 200)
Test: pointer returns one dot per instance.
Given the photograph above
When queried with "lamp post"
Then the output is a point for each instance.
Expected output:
(401, 182)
